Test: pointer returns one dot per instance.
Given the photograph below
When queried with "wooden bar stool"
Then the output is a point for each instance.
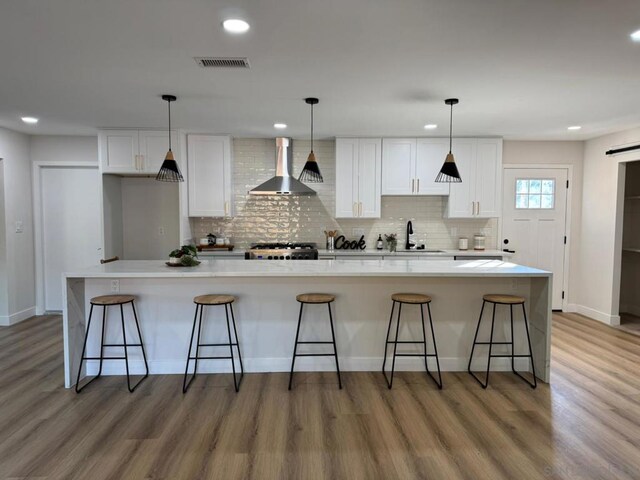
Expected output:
(511, 300)
(411, 299)
(213, 300)
(105, 301)
(315, 298)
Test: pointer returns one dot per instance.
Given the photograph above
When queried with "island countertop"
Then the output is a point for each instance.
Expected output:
(307, 268)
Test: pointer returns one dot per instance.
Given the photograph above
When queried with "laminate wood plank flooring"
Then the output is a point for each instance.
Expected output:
(584, 425)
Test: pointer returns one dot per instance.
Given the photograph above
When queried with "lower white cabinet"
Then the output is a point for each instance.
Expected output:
(138, 152)
(358, 181)
(479, 162)
(209, 176)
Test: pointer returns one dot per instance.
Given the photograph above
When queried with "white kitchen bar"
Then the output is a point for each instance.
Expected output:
(266, 311)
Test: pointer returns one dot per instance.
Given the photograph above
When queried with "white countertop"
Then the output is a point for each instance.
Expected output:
(309, 268)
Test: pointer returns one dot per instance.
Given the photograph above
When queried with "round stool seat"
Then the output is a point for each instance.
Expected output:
(214, 299)
(414, 298)
(112, 299)
(503, 299)
(315, 298)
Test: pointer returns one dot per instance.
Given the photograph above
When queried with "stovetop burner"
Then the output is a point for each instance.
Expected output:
(282, 251)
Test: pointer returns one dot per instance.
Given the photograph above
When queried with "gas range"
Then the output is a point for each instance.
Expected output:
(282, 251)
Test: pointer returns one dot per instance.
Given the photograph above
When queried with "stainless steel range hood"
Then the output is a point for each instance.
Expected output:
(283, 183)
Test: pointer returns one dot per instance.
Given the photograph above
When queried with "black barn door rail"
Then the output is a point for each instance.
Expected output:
(623, 149)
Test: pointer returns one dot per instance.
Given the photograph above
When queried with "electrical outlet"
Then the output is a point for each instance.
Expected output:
(161, 231)
(115, 286)
(357, 232)
(19, 227)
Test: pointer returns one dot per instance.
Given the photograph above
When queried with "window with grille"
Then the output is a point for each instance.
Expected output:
(535, 193)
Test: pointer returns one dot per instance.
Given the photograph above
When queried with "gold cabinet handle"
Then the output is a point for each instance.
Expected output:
(418, 183)
(473, 208)
(413, 185)
(355, 209)
(478, 209)
(360, 209)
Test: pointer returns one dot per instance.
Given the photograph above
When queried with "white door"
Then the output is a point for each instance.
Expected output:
(534, 220)
(71, 229)
(430, 156)
(346, 177)
(398, 166)
(369, 171)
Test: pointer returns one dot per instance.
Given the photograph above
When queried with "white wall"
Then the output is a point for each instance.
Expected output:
(147, 206)
(59, 148)
(4, 304)
(18, 206)
(563, 153)
(599, 275)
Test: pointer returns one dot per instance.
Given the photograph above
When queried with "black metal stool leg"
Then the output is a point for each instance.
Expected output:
(435, 348)
(144, 355)
(513, 350)
(233, 321)
(395, 348)
(185, 384)
(533, 368)
(493, 319)
(233, 363)
(475, 337)
(84, 348)
(295, 346)
(386, 341)
(335, 348)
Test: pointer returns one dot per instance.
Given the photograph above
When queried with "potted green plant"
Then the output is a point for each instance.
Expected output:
(186, 255)
(392, 241)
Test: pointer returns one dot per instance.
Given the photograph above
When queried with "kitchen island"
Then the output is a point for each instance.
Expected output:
(266, 311)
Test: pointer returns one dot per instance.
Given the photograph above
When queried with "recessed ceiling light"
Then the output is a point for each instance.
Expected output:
(430, 126)
(635, 36)
(280, 125)
(574, 127)
(235, 25)
(30, 120)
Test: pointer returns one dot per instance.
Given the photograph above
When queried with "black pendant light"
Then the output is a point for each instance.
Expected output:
(169, 171)
(311, 171)
(449, 171)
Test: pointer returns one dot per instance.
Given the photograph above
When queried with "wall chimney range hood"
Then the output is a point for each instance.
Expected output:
(283, 183)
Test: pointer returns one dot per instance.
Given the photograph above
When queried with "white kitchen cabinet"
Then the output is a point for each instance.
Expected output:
(137, 152)
(358, 182)
(209, 176)
(410, 166)
(479, 162)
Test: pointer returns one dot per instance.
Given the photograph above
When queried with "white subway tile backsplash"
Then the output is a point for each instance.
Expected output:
(304, 218)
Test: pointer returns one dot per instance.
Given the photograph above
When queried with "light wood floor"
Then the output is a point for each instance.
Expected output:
(585, 425)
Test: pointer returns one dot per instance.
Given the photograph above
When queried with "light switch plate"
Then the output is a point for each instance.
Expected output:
(19, 227)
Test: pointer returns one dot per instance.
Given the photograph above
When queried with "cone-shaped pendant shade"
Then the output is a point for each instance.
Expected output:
(449, 171)
(169, 171)
(311, 171)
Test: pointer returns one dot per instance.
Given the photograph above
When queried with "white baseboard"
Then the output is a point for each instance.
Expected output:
(603, 317)
(6, 320)
(571, 308)
(259, 365)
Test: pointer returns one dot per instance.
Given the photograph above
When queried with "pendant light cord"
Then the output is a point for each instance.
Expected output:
(312, 127)
(169, 102)
(450, 127)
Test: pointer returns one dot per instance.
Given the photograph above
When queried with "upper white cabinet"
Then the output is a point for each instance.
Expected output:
(479, 162)
(209, 175)
(410, 166)
(358, 182)
(134, 151)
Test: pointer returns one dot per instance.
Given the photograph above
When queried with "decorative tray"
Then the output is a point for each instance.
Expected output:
(168, 264)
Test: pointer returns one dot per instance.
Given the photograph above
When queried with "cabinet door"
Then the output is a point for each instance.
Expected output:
(488, 177)
(346, 177)
(430, 155)
(369, 173)
(153, 148)
(461, 202)
(209, 175)
(119, 151)
(398, 166)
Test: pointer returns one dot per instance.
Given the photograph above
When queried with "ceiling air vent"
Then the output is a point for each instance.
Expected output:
(222, 62)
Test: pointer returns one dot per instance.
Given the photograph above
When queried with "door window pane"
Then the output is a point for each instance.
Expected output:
(535, 193)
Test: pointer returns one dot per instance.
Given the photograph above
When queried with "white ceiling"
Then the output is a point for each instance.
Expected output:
(521, 68)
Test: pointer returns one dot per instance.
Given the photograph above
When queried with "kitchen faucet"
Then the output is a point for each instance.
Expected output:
(409, 245)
